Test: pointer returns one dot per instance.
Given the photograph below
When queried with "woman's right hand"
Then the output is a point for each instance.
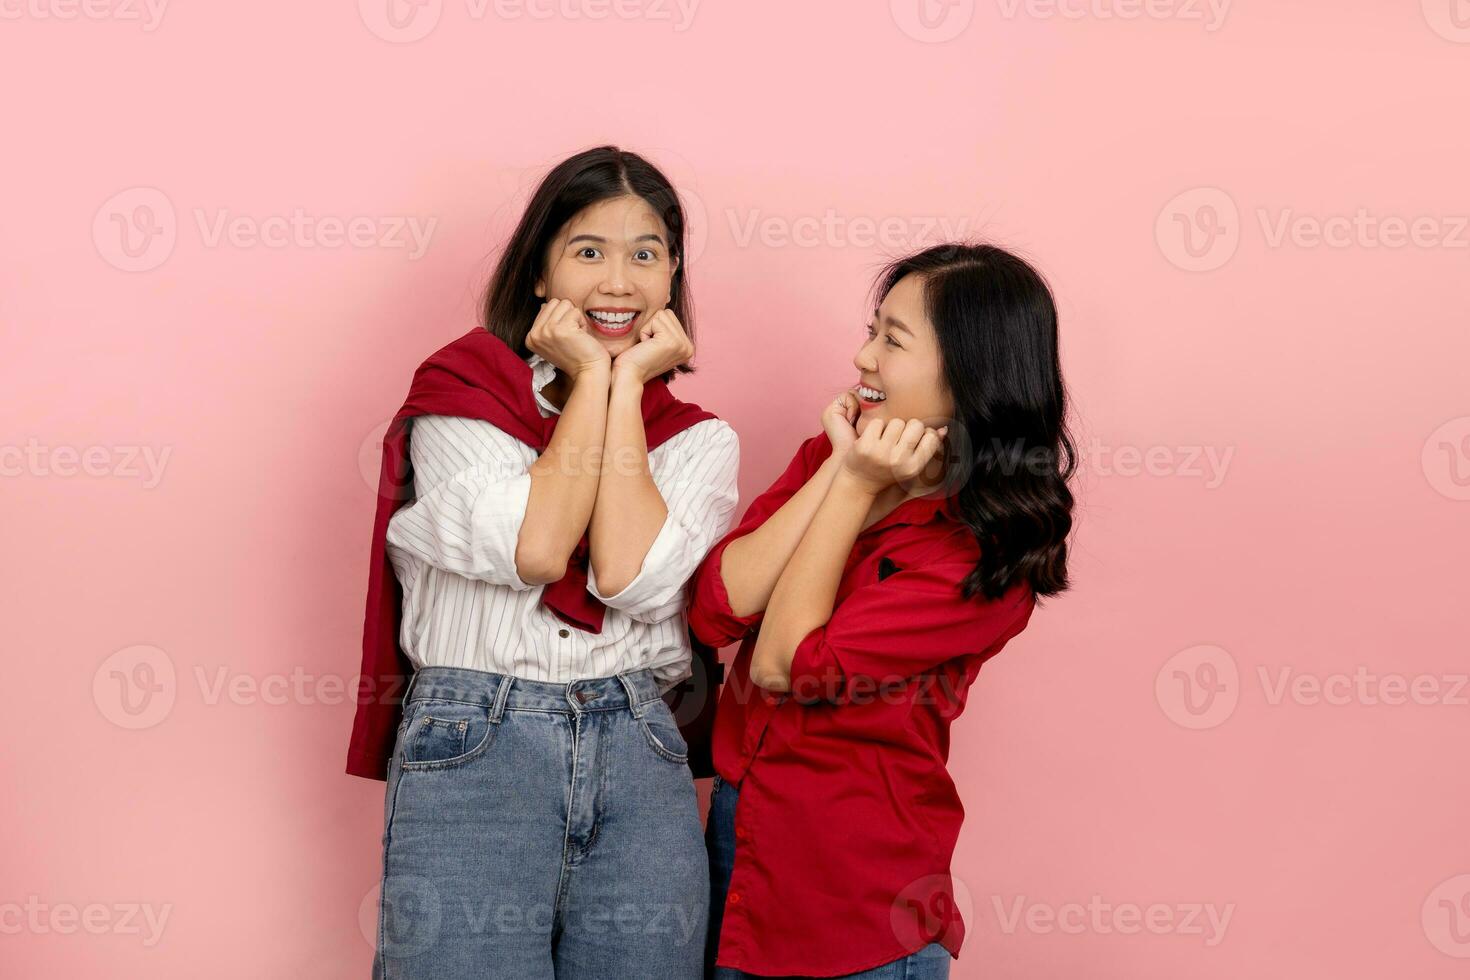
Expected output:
(838, 420)
(559, 334)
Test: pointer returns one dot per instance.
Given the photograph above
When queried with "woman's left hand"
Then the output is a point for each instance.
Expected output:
(662, 346)
(890, 453)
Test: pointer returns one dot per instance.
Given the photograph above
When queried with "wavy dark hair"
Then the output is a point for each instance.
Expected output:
(510, 302)
(996, 323)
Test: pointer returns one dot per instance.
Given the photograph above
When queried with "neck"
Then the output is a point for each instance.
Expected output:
(886, 501)
(917, 489)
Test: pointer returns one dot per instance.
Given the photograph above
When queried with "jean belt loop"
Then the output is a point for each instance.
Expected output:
(408, 688)
(634, 704)
(502, 694)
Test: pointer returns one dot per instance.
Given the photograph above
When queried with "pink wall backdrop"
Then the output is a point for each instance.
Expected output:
(1237, 748)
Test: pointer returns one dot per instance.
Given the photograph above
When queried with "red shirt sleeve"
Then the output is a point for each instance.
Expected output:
(908, 623)
(711, 619)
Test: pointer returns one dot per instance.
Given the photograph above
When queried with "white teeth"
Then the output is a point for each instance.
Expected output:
(612, 319)
(871, 394)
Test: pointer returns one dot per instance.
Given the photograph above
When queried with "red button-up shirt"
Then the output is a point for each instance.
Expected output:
(847, 818)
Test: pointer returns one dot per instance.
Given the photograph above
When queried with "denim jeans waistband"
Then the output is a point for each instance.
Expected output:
(632, 690)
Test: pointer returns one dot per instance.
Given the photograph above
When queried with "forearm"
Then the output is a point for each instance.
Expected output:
(629, 511)
(564, 478)
(752, 563)
(806, 590)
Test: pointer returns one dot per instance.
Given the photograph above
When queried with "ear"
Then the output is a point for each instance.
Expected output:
(540, 288)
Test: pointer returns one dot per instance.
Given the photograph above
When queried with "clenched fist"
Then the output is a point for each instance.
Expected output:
(892, 452)
(559, 334)
(662, 346)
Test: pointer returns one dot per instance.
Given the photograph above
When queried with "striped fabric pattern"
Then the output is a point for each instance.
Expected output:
(453, 550)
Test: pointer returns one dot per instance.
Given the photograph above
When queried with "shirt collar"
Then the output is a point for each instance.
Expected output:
(543, 372)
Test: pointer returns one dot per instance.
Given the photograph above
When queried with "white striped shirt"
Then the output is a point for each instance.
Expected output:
(453, 550)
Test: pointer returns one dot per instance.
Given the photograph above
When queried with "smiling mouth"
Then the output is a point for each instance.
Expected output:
(612, 322)
(870, 396)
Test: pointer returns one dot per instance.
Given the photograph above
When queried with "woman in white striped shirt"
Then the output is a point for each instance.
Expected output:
(541, 820)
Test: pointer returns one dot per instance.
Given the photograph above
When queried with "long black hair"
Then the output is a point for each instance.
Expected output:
(510, 302)
(996, 323)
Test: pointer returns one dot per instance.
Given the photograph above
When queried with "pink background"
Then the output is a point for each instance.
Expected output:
(1134, 744)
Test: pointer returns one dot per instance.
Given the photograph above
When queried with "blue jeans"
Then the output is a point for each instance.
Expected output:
(929, 963)
(537, 831)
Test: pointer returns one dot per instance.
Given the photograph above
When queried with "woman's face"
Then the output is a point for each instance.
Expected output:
(612, 261)
(899, 370)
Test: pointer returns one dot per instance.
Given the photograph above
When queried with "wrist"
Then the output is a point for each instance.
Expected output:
(627, 376)
(830, 467)
(846, 481)
(594, 371)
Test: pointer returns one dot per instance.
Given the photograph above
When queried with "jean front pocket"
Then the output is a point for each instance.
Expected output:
(445, 734)
(662, 732)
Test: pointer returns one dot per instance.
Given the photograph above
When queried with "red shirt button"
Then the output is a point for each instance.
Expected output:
(734, 897)
(740, 833)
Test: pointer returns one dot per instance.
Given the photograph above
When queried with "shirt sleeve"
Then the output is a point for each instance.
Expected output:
(908, 623)
(711, 619)
(697, 473)
(472, 483)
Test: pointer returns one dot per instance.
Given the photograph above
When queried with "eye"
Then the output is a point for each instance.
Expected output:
(646, 254)
(868, 329)
(588, 248)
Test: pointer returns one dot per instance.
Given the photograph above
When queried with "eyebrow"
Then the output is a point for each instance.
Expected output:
(603, 241)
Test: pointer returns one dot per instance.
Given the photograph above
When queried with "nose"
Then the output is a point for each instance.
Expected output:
(616, 282)
(864, 360)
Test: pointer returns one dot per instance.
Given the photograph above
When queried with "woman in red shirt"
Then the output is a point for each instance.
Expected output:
(902, 548)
